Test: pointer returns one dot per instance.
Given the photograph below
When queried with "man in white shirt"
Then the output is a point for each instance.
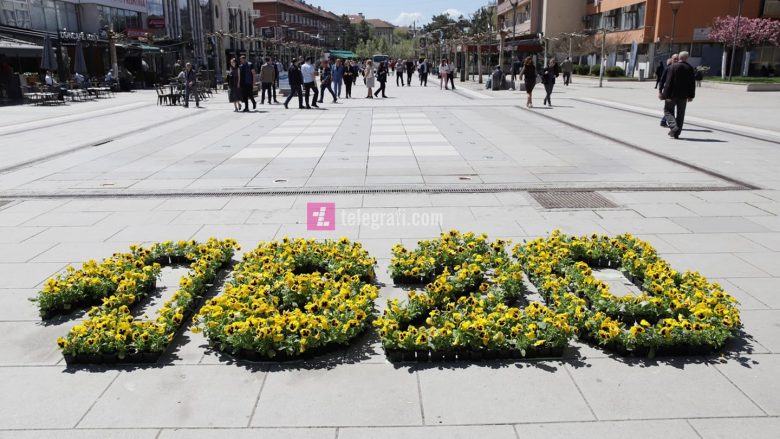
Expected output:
(309, 83)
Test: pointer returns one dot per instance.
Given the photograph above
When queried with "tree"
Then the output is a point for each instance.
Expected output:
(363, 31)
(348, 33)
(753, 32)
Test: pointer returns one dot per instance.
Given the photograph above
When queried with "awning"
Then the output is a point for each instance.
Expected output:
(145, 48)
(343, 54)
(12, 46)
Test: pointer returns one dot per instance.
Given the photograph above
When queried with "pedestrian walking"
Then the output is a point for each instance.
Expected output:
(350, 73)
(674, 59)
(409, 72)
(423, 71)
(450, 74)
(234, 87)
(326, 82)
(267, 77)
(659, 71)
(568, 68)
(338, 77)
(381, 76)
(548, 79)
(368, 75)
(296, 82)
(400, 69)
(247, 74)
(528, 76)
(190, 86)
(443, 70)
(679, 89)
(309, 83)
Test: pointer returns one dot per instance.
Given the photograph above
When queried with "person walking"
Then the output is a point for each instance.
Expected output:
(247, 74)
(400, 69)
(267, 78)
(674, 59)
(409, 67)
(450, 74)
(568, 68)
(368, 75)
(234, 87)
(338, 77)
(548, 79)
(423, 70)
(443, 70)
(679, 89)
(326, 82)
(350, 73)
(309, 83)
(659, 71)
(190, 86)
(296, 82)
(528, 76)
(381, 76)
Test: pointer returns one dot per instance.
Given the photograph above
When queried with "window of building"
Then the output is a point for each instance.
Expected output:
(15, 13)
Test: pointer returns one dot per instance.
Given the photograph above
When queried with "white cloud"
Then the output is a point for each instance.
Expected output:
(453, 13)
(407, 18)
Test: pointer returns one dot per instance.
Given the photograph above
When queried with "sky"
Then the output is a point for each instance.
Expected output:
(401, 12)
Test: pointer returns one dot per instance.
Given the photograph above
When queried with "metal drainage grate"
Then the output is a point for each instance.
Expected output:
(572, 200)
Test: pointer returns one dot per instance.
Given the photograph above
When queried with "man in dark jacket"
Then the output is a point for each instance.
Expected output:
(679, 89)
(296, 82)
(662, 81)
(246, 74)
(190, 86)
(409, 72)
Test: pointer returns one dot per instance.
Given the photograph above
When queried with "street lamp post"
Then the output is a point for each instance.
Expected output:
(736, 38)
(603, 55)
(675, 4)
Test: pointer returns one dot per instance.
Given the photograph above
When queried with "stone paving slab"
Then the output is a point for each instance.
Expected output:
(608, 430)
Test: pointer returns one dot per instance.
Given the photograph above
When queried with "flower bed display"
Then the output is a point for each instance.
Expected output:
(452, 249)
(677, 313)
(111, 334)
(292, 299)
(455, 319)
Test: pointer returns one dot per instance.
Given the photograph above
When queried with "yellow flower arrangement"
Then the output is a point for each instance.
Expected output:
(676, 312)
(111, 333)
(292, 297)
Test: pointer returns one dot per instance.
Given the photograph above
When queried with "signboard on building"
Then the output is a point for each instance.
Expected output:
(156, 22)
(72, 37)
(136, 34)
(701, 33)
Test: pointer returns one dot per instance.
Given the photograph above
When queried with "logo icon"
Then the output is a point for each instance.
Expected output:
(321, 216)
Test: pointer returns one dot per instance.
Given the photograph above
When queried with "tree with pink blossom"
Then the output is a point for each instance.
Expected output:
(752, 33)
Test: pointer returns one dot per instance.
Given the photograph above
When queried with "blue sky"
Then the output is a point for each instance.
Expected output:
(401, 12)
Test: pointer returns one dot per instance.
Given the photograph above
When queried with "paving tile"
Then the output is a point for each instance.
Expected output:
(719, 225)
(77, 234)
(15, 305)
(746, 300)
(198, 203)
(212, 217)
(659, 390)
(662, 210)
(18, 234)
(376, 394)
(724, 209)
(756, 376)
(253, 433)
(640, 225)
(769, 262)
(762, 325)
(80, 434)
(764, 289)
(27, 275)
(30, 343)
(608, 430)
(22, 252)
(184, 397)
(156, 233)
(74, 252)
(439, 432)
(66, 219)
(754, 428)
(45, 397)
(769, 240)
(139, 218)
(711, 243)
(715, 265)
(487, 395)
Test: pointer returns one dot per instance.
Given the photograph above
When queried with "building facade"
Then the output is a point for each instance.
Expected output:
(294, 22)
(530, 26)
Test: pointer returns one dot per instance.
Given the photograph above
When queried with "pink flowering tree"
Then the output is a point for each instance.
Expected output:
(753, 32)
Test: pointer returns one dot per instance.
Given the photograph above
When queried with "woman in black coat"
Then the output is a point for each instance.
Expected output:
(548, 79)
(528, 75)
(234, 89)
(381, 76)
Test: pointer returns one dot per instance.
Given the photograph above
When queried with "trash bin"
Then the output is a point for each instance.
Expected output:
(641, 74)
(497, 80)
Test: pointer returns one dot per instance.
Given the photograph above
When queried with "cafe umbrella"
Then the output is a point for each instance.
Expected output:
(79, 65)
(48, 60)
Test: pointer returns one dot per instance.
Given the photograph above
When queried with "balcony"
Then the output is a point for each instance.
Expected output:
(506, 7)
